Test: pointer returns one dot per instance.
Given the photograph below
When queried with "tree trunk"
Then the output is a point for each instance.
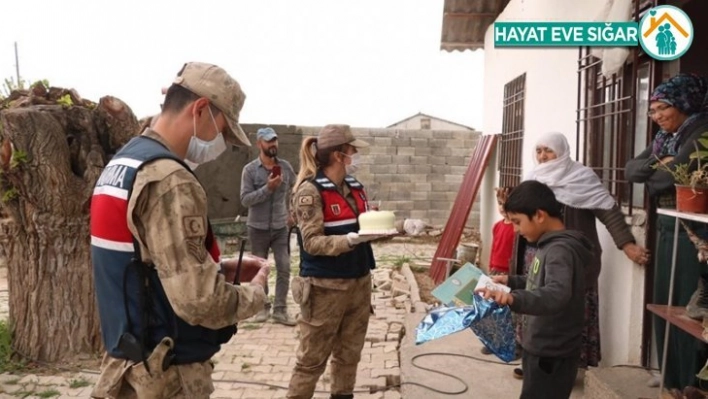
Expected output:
(53, 148)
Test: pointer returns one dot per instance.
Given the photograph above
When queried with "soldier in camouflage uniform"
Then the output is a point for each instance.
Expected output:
(159, 284)
(334, 286)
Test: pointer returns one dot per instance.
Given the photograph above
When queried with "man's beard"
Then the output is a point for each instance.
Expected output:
(271, 152)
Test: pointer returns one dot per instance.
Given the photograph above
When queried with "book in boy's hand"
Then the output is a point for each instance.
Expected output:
(458, 289)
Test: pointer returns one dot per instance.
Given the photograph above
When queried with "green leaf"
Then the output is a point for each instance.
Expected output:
(65, 100)
(699, 154)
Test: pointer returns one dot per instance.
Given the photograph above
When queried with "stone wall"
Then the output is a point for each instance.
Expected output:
(416, 173)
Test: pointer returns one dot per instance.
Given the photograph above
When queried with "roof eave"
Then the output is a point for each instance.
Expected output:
(465, 23)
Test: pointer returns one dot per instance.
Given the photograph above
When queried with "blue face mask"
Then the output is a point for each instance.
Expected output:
(200, 151)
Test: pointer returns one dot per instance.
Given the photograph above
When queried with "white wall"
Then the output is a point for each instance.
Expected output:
(550, 105)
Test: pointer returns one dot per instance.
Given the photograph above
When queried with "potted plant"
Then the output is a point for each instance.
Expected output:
(691, 185)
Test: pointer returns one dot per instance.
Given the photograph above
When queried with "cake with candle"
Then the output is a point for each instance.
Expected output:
(377, 223)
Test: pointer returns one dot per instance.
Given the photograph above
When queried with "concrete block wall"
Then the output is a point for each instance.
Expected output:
(416, 173)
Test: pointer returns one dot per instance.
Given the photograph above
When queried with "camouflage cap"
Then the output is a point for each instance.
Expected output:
(334, 135)
(223, 91)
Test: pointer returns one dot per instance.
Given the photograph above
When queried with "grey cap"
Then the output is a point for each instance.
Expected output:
(266, 133)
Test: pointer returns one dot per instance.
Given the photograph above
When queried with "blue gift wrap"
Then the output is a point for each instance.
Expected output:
(491, 322)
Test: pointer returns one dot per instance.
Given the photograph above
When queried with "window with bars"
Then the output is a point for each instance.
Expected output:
(512, 133)
(605, 123)
(612, 124)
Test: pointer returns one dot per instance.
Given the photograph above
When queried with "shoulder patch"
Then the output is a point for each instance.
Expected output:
(306, 200)
(194, 226)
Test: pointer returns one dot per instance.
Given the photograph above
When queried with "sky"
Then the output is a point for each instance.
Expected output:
(367, 63)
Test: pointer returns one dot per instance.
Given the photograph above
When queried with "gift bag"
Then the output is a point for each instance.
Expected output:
(488, 320)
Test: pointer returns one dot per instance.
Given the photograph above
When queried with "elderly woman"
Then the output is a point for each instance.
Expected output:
(678, 107)
(585, 199)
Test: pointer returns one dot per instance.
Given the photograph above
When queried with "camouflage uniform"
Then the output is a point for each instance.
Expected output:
(334, 311)
(169, 214)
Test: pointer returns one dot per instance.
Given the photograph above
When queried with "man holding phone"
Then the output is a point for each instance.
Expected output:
(266, 184)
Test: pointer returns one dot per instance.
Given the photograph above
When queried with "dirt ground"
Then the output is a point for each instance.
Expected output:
(425, 285)
(417, 253)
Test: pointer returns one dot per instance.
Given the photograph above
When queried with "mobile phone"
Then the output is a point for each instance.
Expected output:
(276, 171)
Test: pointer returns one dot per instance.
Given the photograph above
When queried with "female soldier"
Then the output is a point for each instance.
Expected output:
(334, 286)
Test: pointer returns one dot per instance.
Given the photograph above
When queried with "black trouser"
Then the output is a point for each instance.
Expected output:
(548, 377)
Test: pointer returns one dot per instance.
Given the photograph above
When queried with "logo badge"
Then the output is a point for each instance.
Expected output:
(666, 33)
(335, 209)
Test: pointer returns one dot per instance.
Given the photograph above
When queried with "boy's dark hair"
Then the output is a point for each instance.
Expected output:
(532, 196)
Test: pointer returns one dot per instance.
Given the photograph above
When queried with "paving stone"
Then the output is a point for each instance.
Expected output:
(12, 388)
(258, 393)
(392, 364)
(28, 379)
(377, 395)
(375, 383)
(223, 394)
(392, 395)
(51, 380)
(400, 288)
(276, 361)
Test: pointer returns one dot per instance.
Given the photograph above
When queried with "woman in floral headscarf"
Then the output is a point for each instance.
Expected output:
(678, 107)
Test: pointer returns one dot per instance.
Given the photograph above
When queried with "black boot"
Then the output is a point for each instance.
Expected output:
(348, 396)
(697, 307)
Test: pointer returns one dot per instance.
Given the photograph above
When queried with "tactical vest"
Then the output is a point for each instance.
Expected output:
(113, 251)
(339, 219)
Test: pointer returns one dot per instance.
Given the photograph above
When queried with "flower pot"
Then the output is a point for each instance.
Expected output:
(694, 200)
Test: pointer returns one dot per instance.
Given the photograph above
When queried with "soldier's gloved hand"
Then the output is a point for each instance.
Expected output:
(354, 239)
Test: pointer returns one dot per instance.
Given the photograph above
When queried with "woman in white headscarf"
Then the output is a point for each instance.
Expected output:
(585, 199)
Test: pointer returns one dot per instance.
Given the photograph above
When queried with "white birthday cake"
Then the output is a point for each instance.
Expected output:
(377, 222)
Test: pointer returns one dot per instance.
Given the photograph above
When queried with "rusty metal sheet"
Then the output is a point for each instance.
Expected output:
(462, 206)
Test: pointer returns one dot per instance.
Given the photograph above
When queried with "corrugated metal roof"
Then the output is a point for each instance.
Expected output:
(466, 21)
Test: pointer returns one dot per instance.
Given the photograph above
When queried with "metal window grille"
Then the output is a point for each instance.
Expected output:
(605, 123)
(512, 133)
(610, 110)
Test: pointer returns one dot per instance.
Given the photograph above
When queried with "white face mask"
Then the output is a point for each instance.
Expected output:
(200, 151)
(354, 166)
